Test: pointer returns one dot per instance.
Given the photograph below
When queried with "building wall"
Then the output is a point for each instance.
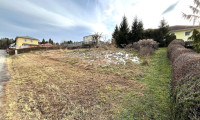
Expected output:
(87, 39)
(20, 41)
(181, 34)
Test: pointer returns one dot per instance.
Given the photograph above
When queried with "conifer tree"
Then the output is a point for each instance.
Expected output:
(123, 34)
(43, 41)
(115, 33)
(137, 31)
(161, 33)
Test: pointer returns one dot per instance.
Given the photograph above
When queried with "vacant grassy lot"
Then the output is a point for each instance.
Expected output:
(87, 84)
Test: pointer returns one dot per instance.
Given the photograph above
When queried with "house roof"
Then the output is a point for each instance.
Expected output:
(182, 27)
(27, 37)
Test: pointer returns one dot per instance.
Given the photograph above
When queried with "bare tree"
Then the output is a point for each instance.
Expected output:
(196, 10)
(96, 37)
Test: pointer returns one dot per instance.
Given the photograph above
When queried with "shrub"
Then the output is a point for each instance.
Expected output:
(169, 39)
(148, 43)
(178, 51)
(185, 81)
(136, 46)
(171, 48)
(146, 51)
(196, 38)
(178, 41)
(180, 61)
(189, 66)
(186, 99)
(146, 47)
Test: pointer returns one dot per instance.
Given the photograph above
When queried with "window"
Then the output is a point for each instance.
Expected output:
(31, 41)
(25, 40)
(187, 33)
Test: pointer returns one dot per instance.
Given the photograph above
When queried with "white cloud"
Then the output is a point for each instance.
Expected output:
(104, 16)
(44, 16)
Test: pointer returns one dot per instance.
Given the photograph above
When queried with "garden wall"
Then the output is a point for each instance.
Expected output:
(185, 81)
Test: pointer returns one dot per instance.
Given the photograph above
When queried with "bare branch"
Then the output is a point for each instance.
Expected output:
(197, 3)
(191, 17)
(194, 10)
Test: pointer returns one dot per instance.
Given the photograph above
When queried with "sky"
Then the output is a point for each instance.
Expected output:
(73, 19)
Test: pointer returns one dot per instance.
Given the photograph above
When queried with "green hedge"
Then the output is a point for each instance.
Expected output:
(185, 81)
(186, 99)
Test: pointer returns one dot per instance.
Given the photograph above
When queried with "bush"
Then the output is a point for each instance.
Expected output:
(148, 43)
(146, 47)
(146, 51)
(169, 39)
(171, 49)
(178, 51)
(185, 81)
(196, 38)
(190, 66)
(186, 99)
(178, 41)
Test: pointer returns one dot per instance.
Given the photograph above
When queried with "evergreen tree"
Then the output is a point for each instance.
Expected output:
(43, 41)
(123, 34)
(137, 31)
(115, 33)
(161, 33)
(50, 41)
(149, 34)
(140, 31)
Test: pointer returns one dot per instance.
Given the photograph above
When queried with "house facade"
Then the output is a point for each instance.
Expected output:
(183, 32)
(26, 42)
(90, 39)
(87, 39)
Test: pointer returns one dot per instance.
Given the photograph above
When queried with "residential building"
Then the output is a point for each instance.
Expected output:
(25, 42)
(183, 31)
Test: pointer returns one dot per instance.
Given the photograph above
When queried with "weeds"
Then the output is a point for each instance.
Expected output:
(155, 103)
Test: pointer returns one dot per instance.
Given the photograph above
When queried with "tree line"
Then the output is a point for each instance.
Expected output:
(5, 43)
(124, 35)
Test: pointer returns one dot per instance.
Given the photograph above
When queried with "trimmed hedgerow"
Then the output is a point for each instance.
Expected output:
(190, 67)
(179, 51)
(172, 48)
(185, 81)
(186, 99)
(179, 62)
(178, 41)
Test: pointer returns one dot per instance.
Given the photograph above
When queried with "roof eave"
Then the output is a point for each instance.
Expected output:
(27, 38)
(184, 29)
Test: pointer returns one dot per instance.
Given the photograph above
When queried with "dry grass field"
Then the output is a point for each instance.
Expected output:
(70, 84)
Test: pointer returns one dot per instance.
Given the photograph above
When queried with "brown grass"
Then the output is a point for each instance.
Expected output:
(54, 85)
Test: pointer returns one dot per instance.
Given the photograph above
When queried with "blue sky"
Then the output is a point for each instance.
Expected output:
(73, 19)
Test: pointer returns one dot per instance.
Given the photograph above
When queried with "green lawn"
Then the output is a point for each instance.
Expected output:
(155, 104)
